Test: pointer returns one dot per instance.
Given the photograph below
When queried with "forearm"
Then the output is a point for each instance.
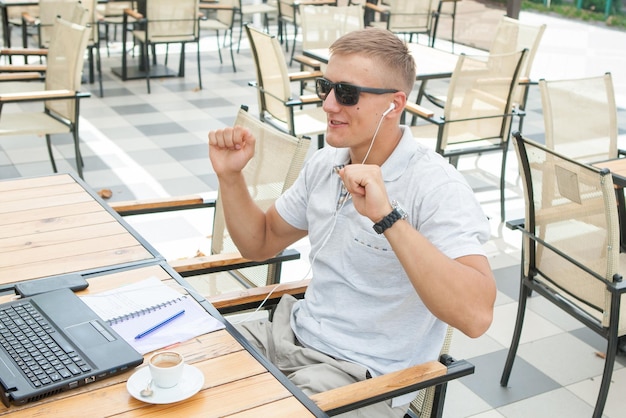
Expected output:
(245, 221)
(459, 292)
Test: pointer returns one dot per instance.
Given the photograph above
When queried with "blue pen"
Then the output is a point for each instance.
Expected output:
(160, 324)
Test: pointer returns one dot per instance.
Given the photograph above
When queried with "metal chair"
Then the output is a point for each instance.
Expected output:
(571, 249)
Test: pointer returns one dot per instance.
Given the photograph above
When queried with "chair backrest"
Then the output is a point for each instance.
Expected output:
(277, 161)
(512, 35)
(49, 10)
(580, 117)
(322, 25)
(226, 16)
(272, 77)
(479, 99)
(570, 208)
(65, 64)
(175, 21)
(406, 16)
(286, 9)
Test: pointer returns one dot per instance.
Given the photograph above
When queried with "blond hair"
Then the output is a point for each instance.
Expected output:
(386, 49)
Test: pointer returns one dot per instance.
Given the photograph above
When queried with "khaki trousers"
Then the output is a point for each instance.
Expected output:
(310, 370)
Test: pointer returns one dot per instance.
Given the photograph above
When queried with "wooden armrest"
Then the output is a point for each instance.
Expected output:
(28, 18)
(304, 75)
(416, 109)
(310, 99)
(37, 95)
(166, 204)
(133, 13)
(23, 51)
(309, 62)
(377, 8)
(222, 262)
(215, 6)
(378, 386)
(251, 298)
(20, 76)
(23, 68)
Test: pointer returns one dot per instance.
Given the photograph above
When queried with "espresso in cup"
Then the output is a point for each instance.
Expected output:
(166, 368)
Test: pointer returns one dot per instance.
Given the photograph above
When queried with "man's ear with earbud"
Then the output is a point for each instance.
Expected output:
(392, 106)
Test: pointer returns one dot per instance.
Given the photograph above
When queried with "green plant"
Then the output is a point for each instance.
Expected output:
(591, 11)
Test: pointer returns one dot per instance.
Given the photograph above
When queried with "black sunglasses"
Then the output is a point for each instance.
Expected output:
(346, 94)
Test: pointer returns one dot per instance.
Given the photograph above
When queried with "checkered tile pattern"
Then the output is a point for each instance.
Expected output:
(142, 145)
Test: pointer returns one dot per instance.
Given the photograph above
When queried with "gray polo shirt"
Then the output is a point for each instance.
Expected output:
(360, 305)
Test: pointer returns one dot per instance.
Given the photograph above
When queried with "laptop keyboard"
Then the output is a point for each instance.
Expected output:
(43, 355)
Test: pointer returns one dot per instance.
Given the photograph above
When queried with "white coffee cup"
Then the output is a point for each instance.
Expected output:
(166, 368)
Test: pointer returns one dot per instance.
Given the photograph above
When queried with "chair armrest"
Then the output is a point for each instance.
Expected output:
(24, 51)
(516, 224)
(418, 110)
(304, 75)
(215, 6)
(310, 99)
(133, 13)
(251, 298)
(309, 62)
(167, 204)
(39, 68)
(390, 385)
(187, 267)
(29, 76)
(41, 95)
(28, 19)
(377, 8)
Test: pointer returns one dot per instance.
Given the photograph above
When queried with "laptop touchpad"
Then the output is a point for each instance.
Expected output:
(85, 335)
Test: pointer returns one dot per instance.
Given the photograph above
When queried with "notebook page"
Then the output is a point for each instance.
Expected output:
(133, 309)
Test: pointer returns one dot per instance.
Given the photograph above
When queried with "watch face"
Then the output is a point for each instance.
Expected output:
(403, 213)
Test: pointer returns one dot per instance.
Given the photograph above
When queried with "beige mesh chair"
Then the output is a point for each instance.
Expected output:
(571, 249)
(277, 105)
(248, 9)
(512, 35)
(580, 117)
(44, 21)
(167, 22)
(322, 25)
(223, 19)
(74, 13)
(410, 17)
(112, 14)
(477, 113)
(60, 96)
(276, 164)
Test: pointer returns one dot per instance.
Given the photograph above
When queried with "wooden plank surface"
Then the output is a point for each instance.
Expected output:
(235, 382)
(51, 225)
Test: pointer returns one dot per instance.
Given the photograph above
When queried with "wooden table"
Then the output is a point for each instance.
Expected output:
(430, 63)
(238, 382)
(56, 225)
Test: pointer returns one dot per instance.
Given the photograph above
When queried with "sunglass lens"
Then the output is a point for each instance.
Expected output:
(347, 95)
(323, 87)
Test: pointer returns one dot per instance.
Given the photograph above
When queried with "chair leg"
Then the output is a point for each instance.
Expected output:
(232, 56)
(146, 64)
(503, 182)
(219, 49)
(198, 59)
(99, 68)
(609, 363)
(50, 154)
(517, 332)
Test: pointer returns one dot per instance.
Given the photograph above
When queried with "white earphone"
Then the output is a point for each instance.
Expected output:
(392, 106)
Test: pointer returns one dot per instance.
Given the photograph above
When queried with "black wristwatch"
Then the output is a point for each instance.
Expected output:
(396, 214)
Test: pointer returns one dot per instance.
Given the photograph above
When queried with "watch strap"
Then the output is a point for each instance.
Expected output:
(387, 221)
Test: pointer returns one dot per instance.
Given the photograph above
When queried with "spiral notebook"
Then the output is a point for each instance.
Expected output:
(152, 309)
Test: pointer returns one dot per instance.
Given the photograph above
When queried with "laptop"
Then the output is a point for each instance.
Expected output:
(52, 342)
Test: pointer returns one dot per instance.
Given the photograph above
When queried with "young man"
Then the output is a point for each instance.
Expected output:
(396, 233)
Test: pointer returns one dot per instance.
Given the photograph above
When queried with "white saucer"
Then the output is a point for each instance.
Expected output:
(189, 385)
